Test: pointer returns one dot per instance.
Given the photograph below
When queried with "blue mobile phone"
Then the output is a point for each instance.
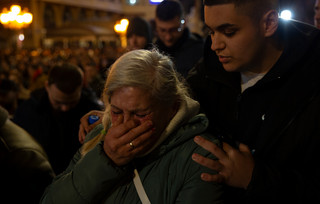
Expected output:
(92, 119)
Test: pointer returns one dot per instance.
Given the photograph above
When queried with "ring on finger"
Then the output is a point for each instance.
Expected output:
(131, 145)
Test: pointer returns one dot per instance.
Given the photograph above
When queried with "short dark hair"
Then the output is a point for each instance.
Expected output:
(253, 8)
(139, 27)
(67, 77)
(169, 9)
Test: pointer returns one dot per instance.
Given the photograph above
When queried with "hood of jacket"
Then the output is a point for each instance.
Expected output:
(187, 110)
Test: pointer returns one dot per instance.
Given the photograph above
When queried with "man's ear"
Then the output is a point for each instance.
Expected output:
(270, 22)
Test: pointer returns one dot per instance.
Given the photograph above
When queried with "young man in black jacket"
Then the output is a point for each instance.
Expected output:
(174, 38)
(259, 85)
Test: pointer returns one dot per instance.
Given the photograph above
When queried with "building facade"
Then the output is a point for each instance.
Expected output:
(71, 22)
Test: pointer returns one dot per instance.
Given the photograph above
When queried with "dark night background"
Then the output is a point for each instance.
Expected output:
(302, 9)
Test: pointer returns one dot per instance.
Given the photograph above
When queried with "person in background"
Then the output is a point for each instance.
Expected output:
(317, 14)
(24, 93)
(25, 171)
(9, 96)
(52, 114)
(93, 80)
(37, 76)
(139, 35)
(174, 37)
(147, 131)
(259, 86)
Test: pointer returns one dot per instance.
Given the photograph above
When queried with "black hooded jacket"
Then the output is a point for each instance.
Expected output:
(278, 117)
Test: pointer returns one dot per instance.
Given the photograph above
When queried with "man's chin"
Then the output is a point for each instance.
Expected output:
(169, 44)
(230, 68)
(59, 113)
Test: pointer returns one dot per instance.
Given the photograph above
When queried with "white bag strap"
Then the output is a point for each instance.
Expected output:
(139, 187)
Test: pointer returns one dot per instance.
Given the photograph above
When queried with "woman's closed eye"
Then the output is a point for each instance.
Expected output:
(138, 115)
(116, 112)
(141, 115)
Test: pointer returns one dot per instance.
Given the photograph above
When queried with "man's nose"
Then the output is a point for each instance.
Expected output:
(127, 117)
(168, 36)
(217, 42)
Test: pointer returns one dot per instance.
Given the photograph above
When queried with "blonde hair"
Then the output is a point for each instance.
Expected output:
(147, 69)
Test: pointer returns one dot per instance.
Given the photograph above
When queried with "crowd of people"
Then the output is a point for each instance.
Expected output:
(229, 118)
(28, 69)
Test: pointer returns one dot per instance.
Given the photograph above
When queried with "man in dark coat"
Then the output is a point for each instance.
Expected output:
(174, 38)
(52, 114)
(259, 86)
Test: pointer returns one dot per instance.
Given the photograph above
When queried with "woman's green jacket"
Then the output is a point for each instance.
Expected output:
(168, 174)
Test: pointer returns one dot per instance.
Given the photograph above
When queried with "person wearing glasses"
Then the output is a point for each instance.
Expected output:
(174, 38)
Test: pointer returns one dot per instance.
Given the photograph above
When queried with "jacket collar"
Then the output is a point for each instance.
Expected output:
(187, 110)
(298, 38)
(300, 75)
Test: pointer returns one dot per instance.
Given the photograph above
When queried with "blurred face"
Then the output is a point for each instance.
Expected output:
(136, 42)
(317, 14)
(134, 103)
(169, 32)
(14, 78)
(235, 38)
(90, 72)
(9, 101)
(60, 101)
